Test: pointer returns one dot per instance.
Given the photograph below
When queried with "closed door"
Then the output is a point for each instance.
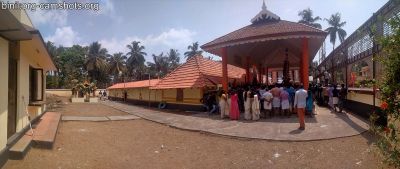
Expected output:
(12, 97)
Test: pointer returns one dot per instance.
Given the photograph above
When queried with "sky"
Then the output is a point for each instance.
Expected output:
(164, 24)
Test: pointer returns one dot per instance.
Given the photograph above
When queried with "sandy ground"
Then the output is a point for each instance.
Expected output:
(145, 144)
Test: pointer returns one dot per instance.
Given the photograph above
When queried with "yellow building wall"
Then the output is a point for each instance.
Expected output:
(25, 61)
(3, 91)
(169, 95)
(363, 98)
(66, 92)
(137, 94)
(192, 95)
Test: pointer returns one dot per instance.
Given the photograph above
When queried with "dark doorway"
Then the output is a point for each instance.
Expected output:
(179, 95)
(12, 96)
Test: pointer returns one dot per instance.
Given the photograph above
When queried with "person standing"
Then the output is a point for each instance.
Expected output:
(330, 95)
(267, 103)
(224, 105)
(335, 97)
(342, 98)
(261, 93)
(300, 100)
(285, 103)
(276, 101)
(291, 92)
(247, 104)
(234, 112)
(255, 108)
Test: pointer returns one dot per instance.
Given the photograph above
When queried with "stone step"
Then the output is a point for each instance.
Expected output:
(46, 130)
(21, 147)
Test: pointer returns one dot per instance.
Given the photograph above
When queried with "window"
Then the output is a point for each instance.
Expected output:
(36, 84)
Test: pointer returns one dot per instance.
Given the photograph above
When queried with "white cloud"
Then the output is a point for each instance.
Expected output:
(52, 17)
(64, 36)
(172, 38)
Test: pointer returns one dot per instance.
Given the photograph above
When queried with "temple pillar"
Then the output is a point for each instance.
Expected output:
(305, 63)
(260, 73)
(248, 77)
(266, 76)
(224, 69)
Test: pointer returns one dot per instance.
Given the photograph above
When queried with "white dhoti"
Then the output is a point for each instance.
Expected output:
(276, 102)
(267, 105)
(285, 104)
(335, 100)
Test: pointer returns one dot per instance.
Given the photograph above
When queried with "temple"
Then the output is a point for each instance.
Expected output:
(270, 49)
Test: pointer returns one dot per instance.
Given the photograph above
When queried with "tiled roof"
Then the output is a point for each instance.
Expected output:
(198, 72)
(276, 29)
(136, 84)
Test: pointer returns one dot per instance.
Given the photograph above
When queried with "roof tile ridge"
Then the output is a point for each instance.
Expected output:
(198, 68)
(170, 73)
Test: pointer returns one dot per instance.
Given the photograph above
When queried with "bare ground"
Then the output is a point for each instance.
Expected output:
(145, 144)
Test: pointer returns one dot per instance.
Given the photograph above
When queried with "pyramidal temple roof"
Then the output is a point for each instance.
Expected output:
(265, 26)
(265, 15)
(198, 72)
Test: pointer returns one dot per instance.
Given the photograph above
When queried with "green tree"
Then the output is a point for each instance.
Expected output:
(72, 61)
(96, 64)
(308, 18)
(193, 50)
(336, 28)
(117, 64)
(390, 95)
(173, 59)
(135, 62)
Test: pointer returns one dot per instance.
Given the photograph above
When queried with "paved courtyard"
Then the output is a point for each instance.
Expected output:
(325, 125)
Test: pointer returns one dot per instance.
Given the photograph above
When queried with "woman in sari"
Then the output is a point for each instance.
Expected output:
(247, 104)
(223, 105)
(234, 112)
(255, 108)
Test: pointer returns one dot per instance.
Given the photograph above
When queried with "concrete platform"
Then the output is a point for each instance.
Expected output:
(84, 118)
(99, 118)
(46, 131)
(126, 117)
(325, 125)
(19, 149)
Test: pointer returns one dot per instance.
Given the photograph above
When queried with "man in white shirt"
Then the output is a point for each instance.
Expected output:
(267, 104)
(300, 101)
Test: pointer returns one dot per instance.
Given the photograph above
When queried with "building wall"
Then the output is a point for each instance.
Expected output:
(192, 95)
(169, 95)
(142, 93)
(3, 91)
(27, 60)
(65, 92)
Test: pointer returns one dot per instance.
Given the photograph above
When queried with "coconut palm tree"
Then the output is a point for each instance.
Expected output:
(193, 50)
(161, 64)
(135, 62)
(308, 18)
(173, 59)
(96, 61)
(117, 64)
(336, 28)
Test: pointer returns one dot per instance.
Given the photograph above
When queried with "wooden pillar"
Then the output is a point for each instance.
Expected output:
(224, 69)
(260, 74)
(305, 63)
(248, 70)
(266, 76)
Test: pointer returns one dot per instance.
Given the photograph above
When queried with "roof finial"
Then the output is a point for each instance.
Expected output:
(265, 15)
(264, 7)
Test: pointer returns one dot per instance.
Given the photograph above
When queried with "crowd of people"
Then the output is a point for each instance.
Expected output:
(281, 100)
